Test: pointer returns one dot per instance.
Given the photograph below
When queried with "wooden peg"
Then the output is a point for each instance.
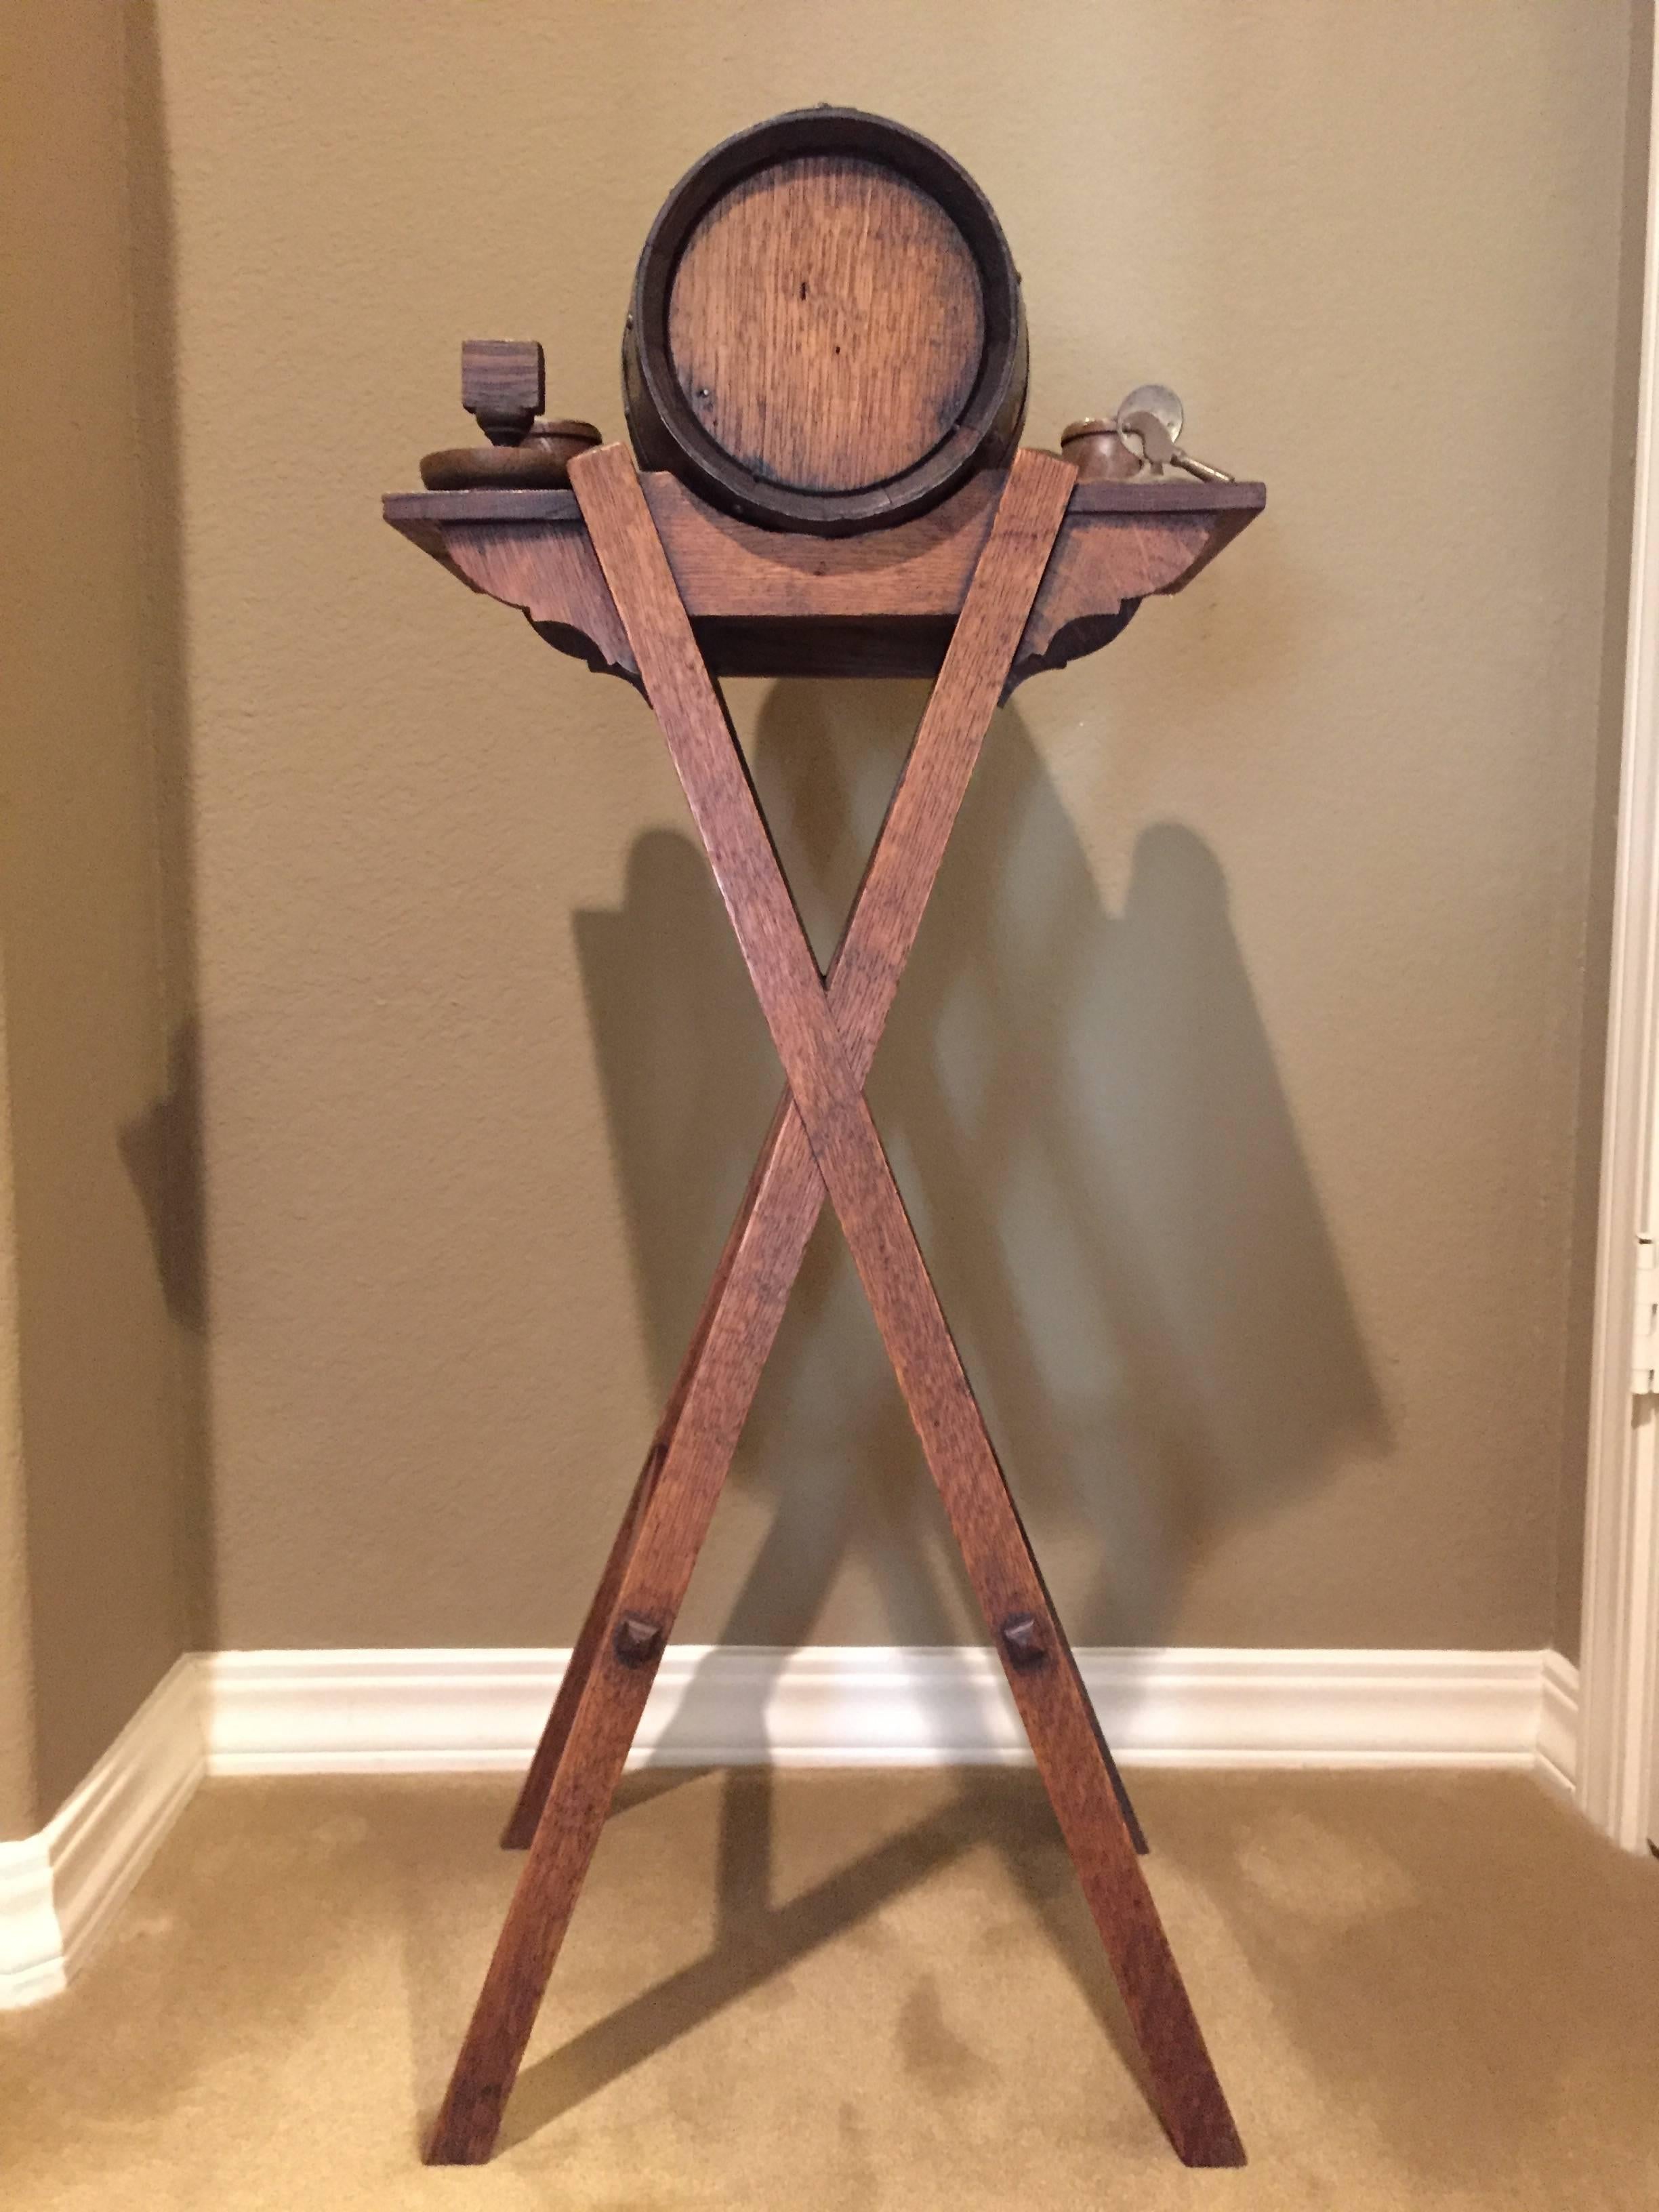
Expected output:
(504, 384)
(1022, 1640)
(639, 1641)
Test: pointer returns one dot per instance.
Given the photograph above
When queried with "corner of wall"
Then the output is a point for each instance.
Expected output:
(94, 1512)
(1598, 920)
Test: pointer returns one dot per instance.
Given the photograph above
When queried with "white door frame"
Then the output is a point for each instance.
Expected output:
(1619, 1678)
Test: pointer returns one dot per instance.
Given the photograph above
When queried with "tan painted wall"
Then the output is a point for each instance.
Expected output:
(17, 1801)
(90, 1345)
(1598, 937)
(1239, 1084)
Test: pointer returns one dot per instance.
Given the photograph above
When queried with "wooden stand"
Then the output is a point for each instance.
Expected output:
(1017, 572)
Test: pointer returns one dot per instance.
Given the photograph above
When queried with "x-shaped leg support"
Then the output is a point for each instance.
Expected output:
(823, 1140)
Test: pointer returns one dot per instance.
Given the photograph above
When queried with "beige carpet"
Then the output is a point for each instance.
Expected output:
(838, 1992)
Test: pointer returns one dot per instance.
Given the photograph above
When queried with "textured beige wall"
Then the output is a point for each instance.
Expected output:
(1238, 1085)
(1598, 938)
(83, 587)
(17, 1799)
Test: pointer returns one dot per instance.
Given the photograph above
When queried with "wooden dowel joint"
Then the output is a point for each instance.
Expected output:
(639, 1642)
(1022, 1640)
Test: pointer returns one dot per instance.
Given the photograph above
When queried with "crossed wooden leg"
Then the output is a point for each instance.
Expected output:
(825, 1037)
(863, 977)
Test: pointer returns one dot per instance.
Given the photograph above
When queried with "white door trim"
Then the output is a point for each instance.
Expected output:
(1621, 1539)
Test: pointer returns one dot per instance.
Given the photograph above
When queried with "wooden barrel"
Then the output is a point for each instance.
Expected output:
(826, 333)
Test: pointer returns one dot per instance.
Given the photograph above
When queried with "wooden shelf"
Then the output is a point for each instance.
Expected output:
(771, 603)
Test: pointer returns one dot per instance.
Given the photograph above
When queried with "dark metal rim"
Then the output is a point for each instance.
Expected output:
(1002, 362)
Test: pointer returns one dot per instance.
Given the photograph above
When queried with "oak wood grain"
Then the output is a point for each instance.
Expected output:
(825, 324)
(826, 330)
(825, 1081)
(544, 1762)
(782, 1202)
(587, 1738)
(828, 1096)
(766, 602)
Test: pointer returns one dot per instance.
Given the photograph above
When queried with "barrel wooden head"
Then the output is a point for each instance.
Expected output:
(826, 333)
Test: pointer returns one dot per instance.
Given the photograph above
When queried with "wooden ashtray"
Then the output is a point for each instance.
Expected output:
(541, 462)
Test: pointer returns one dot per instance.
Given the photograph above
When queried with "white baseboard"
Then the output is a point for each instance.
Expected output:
(455, 1711)
(1558, 1724)
(60, 1888)
(480, 1711)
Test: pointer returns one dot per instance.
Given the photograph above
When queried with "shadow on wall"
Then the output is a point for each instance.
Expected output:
(1083, 1111)
(162, 1151)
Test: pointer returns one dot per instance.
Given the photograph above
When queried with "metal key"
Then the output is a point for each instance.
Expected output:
(1150, 422)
